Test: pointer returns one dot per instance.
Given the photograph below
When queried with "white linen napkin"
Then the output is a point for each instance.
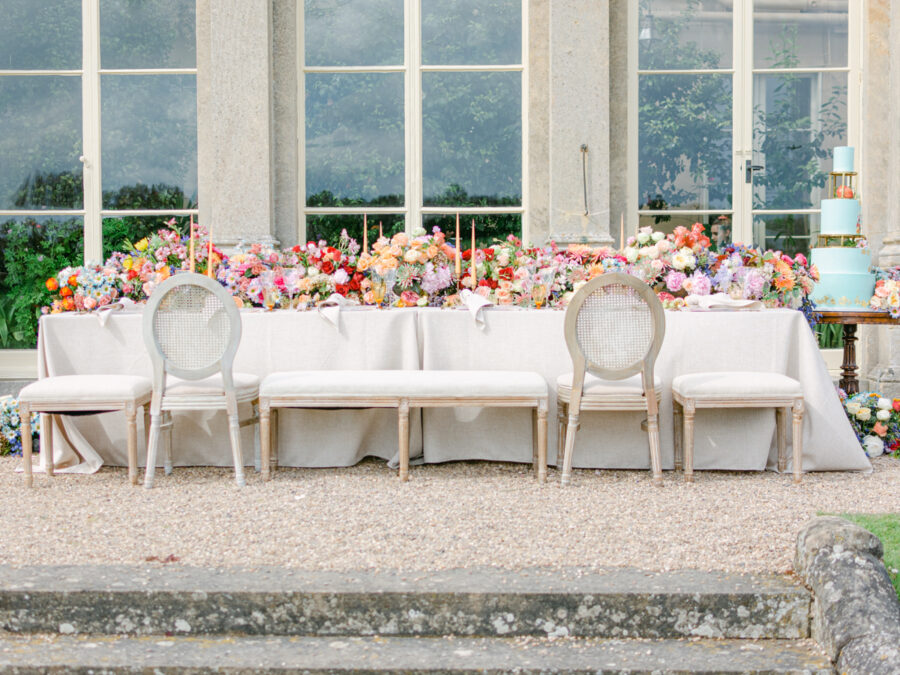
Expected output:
(475, 303)
(330, 308)
(721, 301)
(103, 313)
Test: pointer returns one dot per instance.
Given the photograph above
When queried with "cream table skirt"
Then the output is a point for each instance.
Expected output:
(772, 341)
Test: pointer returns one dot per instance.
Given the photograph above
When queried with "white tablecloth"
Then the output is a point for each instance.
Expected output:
(773, 340)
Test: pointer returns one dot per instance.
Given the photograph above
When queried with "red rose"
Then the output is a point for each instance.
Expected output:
(342, 289)
(328, 267)
(488, 254)
(354, 282)
(506, 273)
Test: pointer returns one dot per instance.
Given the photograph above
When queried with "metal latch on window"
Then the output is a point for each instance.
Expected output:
(750, 168)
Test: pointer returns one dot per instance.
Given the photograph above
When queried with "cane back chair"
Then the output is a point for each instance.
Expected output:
(192, 329)
(614, 329)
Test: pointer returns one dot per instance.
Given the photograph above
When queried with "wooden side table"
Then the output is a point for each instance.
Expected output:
(849, 320)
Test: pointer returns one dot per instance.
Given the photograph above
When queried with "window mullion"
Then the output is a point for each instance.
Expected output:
(413, 114)
(90, 106)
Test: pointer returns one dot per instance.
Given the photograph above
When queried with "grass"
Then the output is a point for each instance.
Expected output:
(887, 528)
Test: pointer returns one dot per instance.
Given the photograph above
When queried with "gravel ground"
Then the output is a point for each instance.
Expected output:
(448, 516)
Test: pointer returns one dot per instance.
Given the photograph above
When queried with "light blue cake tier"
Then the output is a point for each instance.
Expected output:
(844, 278)
(843, 159)
(839, 216)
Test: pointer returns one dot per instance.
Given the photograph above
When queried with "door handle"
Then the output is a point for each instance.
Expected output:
(750, 168)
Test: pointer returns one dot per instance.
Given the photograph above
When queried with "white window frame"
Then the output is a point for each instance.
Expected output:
(413, 209)
(743, 72)
(90, 73)
(22, 363)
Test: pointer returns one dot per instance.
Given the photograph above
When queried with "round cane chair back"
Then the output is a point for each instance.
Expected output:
(614, 325)
(192, 326)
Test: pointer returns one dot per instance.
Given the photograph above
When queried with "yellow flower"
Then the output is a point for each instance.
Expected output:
(127, 263)
(142, 244)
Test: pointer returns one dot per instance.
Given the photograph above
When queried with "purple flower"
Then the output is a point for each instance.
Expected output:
(700, 284)
(753, 285)
(675, 280)
(435, 278)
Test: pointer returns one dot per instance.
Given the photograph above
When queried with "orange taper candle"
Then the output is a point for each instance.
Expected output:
(458, 252)
(474, 271)
(209, 256)
(191, 247)
(365, 233)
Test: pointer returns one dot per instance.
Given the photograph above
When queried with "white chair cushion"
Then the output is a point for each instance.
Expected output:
(87, 388)
(245, 385)
(349, 384)
(595, 386)
(735, 385)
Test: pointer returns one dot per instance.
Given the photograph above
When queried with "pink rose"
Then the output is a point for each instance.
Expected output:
(800, 259)
(89, 303)
(410, 298)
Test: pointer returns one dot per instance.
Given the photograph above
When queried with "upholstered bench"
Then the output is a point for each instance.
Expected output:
(404, 389)
(737, 390)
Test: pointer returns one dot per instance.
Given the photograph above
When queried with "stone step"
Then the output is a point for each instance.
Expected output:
(479, 602)
(238, 655)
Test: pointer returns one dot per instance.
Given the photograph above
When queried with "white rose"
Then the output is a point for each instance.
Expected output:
(883, 415)
(658, 236)
(663, 245)
(419, 231)
(864, 415)
(631, 254)
(643, 237)
(885, 404)
(873, 446)
(853, 407)
(652, 252)
(679, 261)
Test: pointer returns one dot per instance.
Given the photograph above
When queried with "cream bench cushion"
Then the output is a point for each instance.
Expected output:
(87, 389)
(745, 385)
(405, 389)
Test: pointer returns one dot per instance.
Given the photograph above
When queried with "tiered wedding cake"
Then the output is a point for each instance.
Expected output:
(845, 279)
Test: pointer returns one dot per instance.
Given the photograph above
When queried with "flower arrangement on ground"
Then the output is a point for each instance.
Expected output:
(875, 420)
(11, 427)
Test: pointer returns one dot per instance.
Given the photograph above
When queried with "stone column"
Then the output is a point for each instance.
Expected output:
(579, 116)
(881, 152)
(234, 135)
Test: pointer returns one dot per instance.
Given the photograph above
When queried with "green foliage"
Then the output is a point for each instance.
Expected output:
(887, 528)
(829, 335)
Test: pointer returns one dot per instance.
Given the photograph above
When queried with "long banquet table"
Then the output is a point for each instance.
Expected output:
(770, 340)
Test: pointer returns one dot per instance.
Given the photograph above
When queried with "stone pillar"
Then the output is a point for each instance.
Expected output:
(579, 116)
(234, 119)
(881, 148)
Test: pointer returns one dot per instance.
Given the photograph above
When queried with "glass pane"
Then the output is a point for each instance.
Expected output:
(472, 139)
(329, 227)
(158, 34)
(353, 32)
(119, 232)
(790, 233)
(717, 225)
(685, 34)
(40, 142)
(355, 148)
(31, 251)
(791, 34)
(40, 34)
(797, 121)
(489, 228)
(466, 32)
(149, 139)
(685, 142)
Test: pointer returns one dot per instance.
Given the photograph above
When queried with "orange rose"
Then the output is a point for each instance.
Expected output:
(68, 304)
(66, 292)
(52, 284)
(73, 280)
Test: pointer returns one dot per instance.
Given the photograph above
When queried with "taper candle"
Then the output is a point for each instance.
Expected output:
(380, 230)
(458, 254)
(474, 271)
(365, 233)
(209, 256)
(191, 247)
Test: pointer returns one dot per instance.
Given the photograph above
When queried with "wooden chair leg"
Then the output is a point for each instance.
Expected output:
(534, 442)
(152, 445)
(234, 430)
(571, 430)
(25, 428)
(403, 432)
(678, 435)
(542, 443)
(781, 438)
(265, 439)
(47, 438)
(561, 413)
(655, 458)
(169, 422)
(689, 441)
(797, 439)
(146, 426)
(273, 446)
(131, 419)
(257, 449)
